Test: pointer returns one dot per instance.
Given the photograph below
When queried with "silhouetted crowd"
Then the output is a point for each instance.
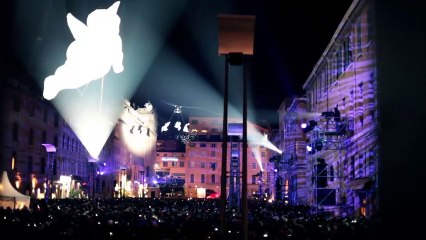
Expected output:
(170, 219)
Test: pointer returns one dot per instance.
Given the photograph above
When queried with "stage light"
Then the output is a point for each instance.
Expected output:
(310, 127)
(318, 145)
(303, 125)
(327, 114)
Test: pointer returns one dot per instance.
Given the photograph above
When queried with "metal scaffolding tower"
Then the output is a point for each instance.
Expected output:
(328, 138)
(234, 175)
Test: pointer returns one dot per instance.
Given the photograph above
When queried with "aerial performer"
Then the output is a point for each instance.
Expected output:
(97, 47)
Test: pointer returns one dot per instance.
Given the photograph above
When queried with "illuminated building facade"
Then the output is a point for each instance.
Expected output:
(204, 153)
(292, 165)
(126, 162)
(170, 168)
(342, 110)
(29, 121)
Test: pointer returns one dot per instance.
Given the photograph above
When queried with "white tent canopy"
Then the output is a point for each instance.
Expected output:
(9, 197)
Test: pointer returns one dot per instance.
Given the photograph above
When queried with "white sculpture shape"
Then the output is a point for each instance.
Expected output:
(165, 127)
(178, 125)
(96, 48)
(185, 128)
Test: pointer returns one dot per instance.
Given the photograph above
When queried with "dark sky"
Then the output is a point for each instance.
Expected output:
(170, 47)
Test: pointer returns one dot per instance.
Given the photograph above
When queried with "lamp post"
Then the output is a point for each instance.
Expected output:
(50, 149)
(123, 180)
(142, 173)
(236, 34)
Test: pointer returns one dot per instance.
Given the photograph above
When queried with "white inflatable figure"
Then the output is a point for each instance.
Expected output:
(185, 128)
(165, 127)
(90, 56)
(178, 125)
(148, 106)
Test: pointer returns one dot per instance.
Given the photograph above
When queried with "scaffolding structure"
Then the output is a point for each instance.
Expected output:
(329, 140)
(234, 174)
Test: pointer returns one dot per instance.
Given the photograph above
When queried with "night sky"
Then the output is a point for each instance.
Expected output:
(170, 48)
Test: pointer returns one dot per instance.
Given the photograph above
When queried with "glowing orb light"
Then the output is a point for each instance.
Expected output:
(96, 48)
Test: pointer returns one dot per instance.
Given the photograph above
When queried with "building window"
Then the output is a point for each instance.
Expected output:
(55, 162)
(234, 145)
(348, 52)
(44, 137)
(253, 179)
(191, 164)
(30, 164)
(42, 165)
(253, 165)
(213, 178)
(358, 34)
(15, 131)
(181, 164)
(45, 114)
(191, 180)
(203, 178)
(173, 164)
(212, 154)
(352, 171)
(31, 137)
(16, 104)
(213, 145)
(55, 140)
(56, 121)
(202, 164)
(370, 23)
(165, 164)
(263, 154)
(203, 145)
(32, 109)
(213, 166)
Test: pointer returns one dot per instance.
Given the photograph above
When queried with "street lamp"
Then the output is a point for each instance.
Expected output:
(123, 180)
(236, 36)
(51, 150)
(142, 173)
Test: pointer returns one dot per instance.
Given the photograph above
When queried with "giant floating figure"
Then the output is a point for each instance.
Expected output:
(96, 48)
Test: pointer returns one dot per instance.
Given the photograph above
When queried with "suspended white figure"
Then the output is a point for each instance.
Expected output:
(178, 125)
(165, 127)
(96, 48)
(185, 128)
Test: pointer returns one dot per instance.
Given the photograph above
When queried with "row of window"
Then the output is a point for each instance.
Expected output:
(32, 110)
(202, 178)
(254, 180)
(340, 59)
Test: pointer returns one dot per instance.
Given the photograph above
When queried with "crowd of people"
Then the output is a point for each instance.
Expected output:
(170, 219)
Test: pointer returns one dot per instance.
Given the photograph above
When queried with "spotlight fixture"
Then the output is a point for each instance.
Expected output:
(310, 127)
(327, 114)
(318, 145)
